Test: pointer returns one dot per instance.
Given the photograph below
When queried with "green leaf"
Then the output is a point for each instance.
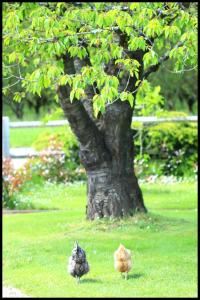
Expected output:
(5, 91)
(150, 58)
(137, 43)
(137, 82)
(12, 57)
(79, 93)
(64, 79)
(124, 96)
(98, 104)
(153, 28)
(130, 99)
(46, 81)
(72, 94)
(134, 6)
(18, 96)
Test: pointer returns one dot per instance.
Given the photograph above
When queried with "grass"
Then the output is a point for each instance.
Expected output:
(25, 137)
(36, 246)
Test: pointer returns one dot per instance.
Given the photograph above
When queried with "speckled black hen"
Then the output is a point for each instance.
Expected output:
(78, 265)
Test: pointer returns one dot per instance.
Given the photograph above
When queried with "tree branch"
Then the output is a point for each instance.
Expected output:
(93, 151)
(162, 59)
(89, 91)
(154, 68)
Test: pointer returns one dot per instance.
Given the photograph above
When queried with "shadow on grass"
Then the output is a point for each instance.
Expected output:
(135, 276)
(90, 280)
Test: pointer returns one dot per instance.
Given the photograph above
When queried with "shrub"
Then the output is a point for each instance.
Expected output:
(56, 165)
(171, 149)
(67, 143)
(13, 180)
(65, 138)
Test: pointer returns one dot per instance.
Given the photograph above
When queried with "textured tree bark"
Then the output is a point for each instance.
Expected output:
(113, 189)
(106, 152)
(112, 196)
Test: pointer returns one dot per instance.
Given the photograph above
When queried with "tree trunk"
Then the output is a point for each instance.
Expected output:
(106, 151)
(113, 188)
(110, 195)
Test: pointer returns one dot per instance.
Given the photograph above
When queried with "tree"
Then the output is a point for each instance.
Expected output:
(98, 56)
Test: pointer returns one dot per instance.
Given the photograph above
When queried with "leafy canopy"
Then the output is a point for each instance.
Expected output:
(116, 42)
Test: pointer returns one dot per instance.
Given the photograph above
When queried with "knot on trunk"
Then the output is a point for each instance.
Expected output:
(92, 159)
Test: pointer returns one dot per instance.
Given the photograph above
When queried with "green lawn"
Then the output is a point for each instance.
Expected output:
(25, 137)
(36, 246)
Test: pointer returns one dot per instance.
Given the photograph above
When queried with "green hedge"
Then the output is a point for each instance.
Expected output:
(168, 148)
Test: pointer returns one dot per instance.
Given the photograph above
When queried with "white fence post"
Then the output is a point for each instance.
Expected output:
(6, 146)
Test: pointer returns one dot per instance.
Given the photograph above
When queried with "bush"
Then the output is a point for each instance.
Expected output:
(13, 181)
(58, 161)
(169, 149)
(67, 142)
(65, 138)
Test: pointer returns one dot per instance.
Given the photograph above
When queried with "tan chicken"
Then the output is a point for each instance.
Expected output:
(122, 260)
